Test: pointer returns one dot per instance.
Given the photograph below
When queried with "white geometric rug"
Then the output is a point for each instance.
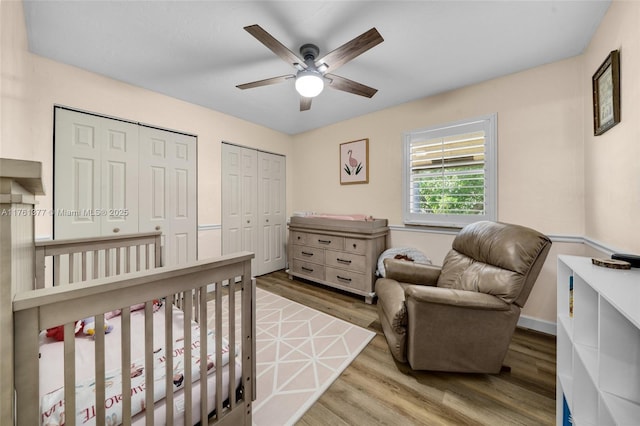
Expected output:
(299, 353)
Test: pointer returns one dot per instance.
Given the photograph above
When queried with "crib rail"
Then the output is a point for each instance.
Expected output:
(82, 259)
(192, 284)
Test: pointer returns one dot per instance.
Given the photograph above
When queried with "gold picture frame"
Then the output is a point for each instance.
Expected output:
(606, 94)
(354, 162)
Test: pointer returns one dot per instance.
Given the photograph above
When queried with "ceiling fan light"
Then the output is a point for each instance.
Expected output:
(309, 83)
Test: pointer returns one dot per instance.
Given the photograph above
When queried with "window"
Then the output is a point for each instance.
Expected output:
(450, 173)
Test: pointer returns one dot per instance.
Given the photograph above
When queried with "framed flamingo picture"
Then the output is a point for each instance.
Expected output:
(354, 162)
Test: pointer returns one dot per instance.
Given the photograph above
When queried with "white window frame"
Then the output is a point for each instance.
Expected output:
(486, 123)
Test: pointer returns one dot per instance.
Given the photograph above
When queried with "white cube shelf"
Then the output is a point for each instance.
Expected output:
(598, 353)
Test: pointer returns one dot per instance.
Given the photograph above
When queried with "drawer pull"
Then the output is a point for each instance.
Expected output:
(324, 241)
(306, 253)
(343, 278)
(345, 261)
(306, 269)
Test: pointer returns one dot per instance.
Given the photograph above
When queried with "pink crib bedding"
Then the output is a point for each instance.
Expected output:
(52, 373)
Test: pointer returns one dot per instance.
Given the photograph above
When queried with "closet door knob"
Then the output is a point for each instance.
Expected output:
(157, 227)
(116, 230)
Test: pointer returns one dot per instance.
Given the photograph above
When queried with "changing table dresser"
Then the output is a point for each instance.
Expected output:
(339, 253)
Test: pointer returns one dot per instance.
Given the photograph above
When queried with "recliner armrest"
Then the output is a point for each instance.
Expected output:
(453, 297)
(411, 272)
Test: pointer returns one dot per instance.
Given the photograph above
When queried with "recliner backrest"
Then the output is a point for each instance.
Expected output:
(500, 259)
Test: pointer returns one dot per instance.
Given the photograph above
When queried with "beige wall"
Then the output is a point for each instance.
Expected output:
(540, 163)
(612, 160)
(32, 85)
(539, 149)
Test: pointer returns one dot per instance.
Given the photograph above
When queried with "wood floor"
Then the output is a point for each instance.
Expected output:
(376, 390)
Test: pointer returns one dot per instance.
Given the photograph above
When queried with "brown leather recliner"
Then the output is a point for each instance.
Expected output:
(460, 317)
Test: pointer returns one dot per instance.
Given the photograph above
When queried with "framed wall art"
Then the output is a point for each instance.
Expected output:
(354, 162)
(606, 94)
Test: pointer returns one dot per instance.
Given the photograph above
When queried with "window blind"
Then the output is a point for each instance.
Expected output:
(447, 175)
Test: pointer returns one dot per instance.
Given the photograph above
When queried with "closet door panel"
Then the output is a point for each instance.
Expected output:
(239, 200)
(77, 169)
(231, 199)
(119, 194)
(249, 201)
(167, 188)
(272, 219)
(183, 206)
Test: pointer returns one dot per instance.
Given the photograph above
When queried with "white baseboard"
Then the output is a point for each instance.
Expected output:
(536, 324)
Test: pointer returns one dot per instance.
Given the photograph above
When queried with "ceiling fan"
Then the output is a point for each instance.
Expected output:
(313, 72)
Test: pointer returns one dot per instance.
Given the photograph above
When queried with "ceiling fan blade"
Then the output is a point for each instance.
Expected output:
(350, 86)
(305, 103)
(274, 45)
(265, 82)
(350, 50)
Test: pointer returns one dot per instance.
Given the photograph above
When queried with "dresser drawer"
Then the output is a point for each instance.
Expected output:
(299, 237)
(345, 260)
(325, 241)
(308, 254)
(345, 278)
(355, 245)
(309, 269)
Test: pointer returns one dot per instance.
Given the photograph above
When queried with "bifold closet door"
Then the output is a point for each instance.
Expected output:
(96, 176)
(253, 206)
(239, 200)
(116, 177)
(271, 213)
(167, 192)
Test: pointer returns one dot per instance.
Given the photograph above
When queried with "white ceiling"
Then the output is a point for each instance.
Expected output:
(197, 51)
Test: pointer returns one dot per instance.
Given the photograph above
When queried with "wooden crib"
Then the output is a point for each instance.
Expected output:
(56, 283)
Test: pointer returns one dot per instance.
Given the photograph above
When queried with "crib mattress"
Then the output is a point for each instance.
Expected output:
(52, 372)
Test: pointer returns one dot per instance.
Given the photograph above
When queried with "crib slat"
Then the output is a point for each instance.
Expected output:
(168, 344)
(187, 299)
(248, 299)
(56, 270)
(127, 261)
(232, 342)
(107, 262)
(138, 248)
(70, 373)
(71, 267)
(197, 310)
(125, 348)
(99, 367)
(84, 265)
(118, 260)
(218, 354)
(158, 252)
(148, 361)
(96, 258)
(146, 256)
(204, 362)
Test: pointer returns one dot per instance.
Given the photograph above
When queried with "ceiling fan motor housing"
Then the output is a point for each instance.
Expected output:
(309, 51)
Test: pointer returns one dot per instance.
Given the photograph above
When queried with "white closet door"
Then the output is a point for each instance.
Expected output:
(271, 211)
(167, 183)
(95, 166)
(239, 200)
